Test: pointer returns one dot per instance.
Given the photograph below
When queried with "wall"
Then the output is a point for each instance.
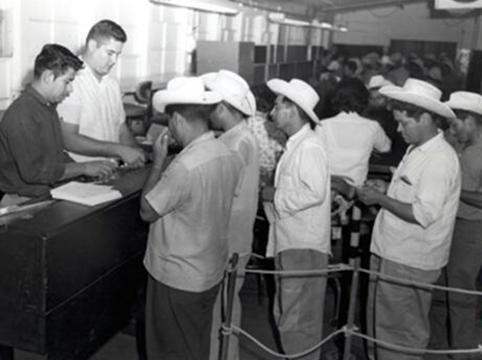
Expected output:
(160, 38)
(412, 22)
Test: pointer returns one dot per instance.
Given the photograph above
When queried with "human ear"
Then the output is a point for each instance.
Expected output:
(47, 77)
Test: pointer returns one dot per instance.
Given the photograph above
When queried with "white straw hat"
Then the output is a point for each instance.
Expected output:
(184, 90)
(377, 81)
(421, 94)
(465, 100)
(233, 88)
(299, 92)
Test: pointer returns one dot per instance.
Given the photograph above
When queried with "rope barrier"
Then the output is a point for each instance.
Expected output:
(287, 356)
(410, 350)
(419, 284)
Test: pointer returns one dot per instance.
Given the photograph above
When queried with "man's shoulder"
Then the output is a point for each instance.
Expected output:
(20, 108)
(203, 153)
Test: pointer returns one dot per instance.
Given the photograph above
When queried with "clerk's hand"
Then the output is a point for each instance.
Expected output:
(159, 148)
(131, 156)
(101, 169)
(369, 195)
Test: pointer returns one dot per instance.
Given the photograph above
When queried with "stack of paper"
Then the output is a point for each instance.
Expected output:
(85, 193)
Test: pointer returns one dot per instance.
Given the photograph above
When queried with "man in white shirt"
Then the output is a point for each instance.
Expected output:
(301, 228)
(93, 116)
(229, 116)
(188, 205)
(413, 230)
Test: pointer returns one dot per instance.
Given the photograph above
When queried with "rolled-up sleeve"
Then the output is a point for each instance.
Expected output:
(171, 190)
(306, 187)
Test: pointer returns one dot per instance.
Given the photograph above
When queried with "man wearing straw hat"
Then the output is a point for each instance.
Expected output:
(229, 116)
(300, 232)
(188, 205)
(413, 230)
(465, 259)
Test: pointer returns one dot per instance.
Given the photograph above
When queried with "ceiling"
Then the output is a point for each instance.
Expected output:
(305, 7)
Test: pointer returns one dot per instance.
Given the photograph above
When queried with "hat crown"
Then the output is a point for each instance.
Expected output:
(233, 88)
(466, 100)
(422, 88)
(307, 93)
(191, 85)
(377, 81)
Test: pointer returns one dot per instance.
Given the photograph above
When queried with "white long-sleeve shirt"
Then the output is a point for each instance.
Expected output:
(302, 196)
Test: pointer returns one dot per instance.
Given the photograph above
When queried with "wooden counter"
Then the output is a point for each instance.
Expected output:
(70, 275)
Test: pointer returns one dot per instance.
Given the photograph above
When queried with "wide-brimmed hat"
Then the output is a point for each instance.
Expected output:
(299, 92)
(232, 87)
(465, 100)
(184, 90)
(421, 94)
(377, 81)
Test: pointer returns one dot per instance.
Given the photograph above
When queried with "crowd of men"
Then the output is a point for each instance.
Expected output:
(201, 206)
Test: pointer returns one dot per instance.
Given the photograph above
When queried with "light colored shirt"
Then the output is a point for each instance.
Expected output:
(471, 167)
(428, 178)
(245, 204)
(302, 197)
(349, 140)
(187, 247)
(95, 106)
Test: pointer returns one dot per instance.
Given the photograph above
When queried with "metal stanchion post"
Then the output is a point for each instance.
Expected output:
(233, 272)
(354, 233)
(351, 308)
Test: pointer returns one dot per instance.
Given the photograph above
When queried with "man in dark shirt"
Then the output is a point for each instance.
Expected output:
(32, 157)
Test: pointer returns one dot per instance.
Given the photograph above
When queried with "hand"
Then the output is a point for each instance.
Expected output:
(369, 195)
(133, 157)
(101, 169)
(159, 148)
(378, 184)
(267, 194)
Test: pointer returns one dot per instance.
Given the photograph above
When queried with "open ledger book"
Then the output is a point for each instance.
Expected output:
(85, 193)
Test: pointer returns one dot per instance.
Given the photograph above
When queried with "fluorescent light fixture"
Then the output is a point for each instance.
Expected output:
(280, 18)
(198, 5)
(321, 25)
(341, 28)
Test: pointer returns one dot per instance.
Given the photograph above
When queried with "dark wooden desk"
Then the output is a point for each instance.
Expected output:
(69, 276)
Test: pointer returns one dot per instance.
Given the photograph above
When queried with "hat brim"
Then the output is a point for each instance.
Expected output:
(164, 98)
(425, 102)
(281, 87)
(466, 107)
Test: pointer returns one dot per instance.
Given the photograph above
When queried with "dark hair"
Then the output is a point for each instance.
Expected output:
(104, 30)
(350, 95)
(352, 65)
(191, 111)
(415, 112)
(464, 114)
(265, 98)
(57, 59)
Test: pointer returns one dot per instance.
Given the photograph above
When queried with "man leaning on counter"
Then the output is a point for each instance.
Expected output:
(32, 156)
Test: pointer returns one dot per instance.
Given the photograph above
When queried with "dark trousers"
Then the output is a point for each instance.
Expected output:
(178, 323)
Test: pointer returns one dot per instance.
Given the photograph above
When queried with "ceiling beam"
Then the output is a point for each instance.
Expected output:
(363, 5)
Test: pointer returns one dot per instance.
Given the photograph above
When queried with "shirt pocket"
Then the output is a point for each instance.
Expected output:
(405, 189)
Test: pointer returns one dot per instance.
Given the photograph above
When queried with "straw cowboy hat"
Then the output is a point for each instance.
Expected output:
(184, 90)
(421, 94)
(377, 81)
(233, 88)
(298, 92)
(465, 100)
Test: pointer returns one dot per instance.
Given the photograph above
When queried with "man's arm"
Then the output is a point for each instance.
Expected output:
(370, 196)
(84, 145)
(100, 169)
(126, 137)
(159, 151)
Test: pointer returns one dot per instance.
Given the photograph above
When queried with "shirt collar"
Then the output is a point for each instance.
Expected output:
(295, 138)
(37, 96)
(200, 139)
(235, 129)
(429, 144)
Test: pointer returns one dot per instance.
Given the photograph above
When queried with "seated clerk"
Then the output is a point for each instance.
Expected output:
(349, 138)
(32, 156)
